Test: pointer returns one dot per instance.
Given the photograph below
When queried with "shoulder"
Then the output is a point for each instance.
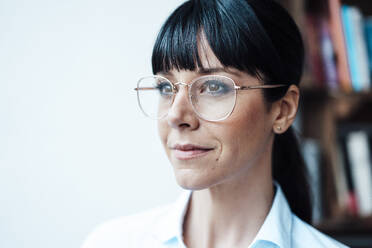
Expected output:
(306, 236)
(126, 231)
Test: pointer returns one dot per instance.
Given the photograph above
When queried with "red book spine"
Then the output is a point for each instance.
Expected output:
(337, 35)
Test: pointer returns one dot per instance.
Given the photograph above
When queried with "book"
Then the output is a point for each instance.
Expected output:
(345, 198)
(350, 46)
(361, 170)
(361, 49)
(352, 207)
(315, 60)
(355, 47)
(327, 55)
(338, 40)
(368, 34)
(311, 153)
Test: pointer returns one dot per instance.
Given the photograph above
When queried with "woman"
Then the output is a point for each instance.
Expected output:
(225, 93)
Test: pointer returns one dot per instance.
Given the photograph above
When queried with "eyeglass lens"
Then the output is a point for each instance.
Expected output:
(212, 97)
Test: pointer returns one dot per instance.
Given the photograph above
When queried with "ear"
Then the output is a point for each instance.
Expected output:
(286, 110)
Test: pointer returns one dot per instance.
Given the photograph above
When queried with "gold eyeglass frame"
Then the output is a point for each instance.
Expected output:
(175, 90)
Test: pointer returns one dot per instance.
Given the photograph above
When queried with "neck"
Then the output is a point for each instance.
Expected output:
(230, 214)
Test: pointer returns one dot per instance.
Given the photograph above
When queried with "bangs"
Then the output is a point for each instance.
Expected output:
(231, 38)
(176, 44)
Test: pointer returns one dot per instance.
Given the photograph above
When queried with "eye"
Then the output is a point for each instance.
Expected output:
(164, 88)
(214, 87)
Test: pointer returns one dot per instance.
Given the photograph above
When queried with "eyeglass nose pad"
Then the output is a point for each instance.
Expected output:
(176, 86)
(181, 83)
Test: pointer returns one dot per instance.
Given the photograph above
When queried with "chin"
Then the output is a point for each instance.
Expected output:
(188, 179)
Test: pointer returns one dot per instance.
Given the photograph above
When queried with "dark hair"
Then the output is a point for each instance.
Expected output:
(255, 36)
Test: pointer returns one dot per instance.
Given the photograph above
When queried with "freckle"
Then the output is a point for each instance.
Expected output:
(217, 159)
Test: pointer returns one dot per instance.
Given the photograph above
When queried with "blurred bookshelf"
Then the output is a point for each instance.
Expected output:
(336, 114)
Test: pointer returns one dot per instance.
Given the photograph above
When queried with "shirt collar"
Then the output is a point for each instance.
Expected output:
(275, 230)
(277, 226)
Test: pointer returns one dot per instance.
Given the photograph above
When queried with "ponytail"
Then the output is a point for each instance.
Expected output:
(290, 171)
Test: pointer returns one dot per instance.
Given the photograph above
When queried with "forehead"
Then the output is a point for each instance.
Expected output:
(206, 55)
(209, 63)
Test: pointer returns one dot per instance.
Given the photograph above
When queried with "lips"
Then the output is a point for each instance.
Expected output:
(189, 151)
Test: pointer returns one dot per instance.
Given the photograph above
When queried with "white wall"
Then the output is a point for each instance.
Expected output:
(74, 148)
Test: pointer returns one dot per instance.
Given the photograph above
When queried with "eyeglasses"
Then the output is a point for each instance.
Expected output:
(212, 97)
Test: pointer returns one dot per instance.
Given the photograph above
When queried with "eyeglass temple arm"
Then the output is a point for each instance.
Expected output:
(267, 86)
(144, 88)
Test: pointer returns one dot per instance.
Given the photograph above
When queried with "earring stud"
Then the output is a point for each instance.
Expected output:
(279, 128)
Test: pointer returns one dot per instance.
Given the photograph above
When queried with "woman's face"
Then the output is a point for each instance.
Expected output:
(204, 153)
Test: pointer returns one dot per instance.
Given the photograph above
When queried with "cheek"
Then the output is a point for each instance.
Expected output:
(246, 133)
(240, 139)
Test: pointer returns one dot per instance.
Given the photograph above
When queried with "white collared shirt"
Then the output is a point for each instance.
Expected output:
(162, 228)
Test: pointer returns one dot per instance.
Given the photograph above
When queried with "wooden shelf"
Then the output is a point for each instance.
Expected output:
(347, 226)
(347, 107)
(316, 92)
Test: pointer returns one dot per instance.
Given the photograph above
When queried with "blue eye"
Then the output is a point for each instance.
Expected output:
(164, 88)
(214, 87)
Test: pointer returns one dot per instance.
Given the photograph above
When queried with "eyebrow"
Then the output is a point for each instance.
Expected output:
(211, 70)
(206, 71)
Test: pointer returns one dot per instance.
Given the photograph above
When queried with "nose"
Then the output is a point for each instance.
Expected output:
(181, 114)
